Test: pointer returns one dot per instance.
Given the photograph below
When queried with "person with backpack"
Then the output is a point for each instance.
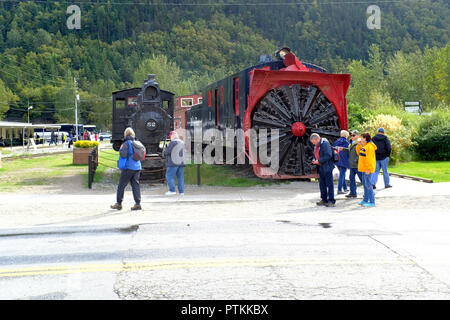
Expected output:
(130, 165)
(382, 155)
(366, 165)
(174, 154)
(324, 159)
(342, 164)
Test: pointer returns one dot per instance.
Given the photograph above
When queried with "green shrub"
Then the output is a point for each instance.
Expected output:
(432, 136)
(433, 143)
(357, 115)
(86, 144)
(399, 136)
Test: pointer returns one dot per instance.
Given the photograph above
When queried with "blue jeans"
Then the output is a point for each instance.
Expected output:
(326, 186)
(369, 195)
(383, 165)
(342, 184)
(353, 173)
(177, 171)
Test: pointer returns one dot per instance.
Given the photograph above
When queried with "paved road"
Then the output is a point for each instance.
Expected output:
(222, 243)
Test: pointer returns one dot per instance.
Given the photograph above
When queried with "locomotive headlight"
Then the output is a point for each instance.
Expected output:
(283, 53)
(280, 54)
(151, 125)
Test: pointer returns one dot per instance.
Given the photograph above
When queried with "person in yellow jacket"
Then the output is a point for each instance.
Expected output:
(366, 165)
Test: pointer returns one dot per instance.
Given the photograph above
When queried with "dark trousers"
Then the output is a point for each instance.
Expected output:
(353, 173)
(326, 186)
(129, 176)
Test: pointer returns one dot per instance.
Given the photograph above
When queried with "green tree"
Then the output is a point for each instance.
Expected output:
(366, 79)
(167, 74)
(6, 98)
(405, 77)
(442, 67)
(96, 105)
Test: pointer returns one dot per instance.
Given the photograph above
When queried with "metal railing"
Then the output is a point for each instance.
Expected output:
(92, 166)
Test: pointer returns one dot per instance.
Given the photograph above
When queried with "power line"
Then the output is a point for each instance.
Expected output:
(39, 111)
(213, 4)
(42, 72)
(53, 82)
(58, 110)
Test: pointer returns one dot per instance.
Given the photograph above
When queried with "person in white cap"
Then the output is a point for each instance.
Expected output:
(175, 163)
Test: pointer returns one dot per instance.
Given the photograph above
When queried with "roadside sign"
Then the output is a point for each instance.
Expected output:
(413, 106)
(412, 109)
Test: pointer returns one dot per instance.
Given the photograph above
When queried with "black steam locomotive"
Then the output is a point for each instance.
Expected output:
(149, 111)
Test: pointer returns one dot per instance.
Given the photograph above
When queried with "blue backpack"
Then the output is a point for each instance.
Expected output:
(121, 163)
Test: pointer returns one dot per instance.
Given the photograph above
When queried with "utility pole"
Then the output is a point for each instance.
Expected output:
(29, 108)
(76, 107)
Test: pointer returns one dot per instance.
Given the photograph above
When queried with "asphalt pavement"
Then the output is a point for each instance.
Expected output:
(268, 242)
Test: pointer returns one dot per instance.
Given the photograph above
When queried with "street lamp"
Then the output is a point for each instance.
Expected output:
(29, 108)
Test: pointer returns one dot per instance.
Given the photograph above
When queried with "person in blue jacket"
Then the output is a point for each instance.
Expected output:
(130, 174)
(343, 163)
(323, 158)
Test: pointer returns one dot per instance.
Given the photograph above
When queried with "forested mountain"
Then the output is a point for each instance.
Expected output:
(195, 41)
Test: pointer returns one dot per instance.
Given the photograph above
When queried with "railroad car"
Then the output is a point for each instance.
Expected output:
(297, 98)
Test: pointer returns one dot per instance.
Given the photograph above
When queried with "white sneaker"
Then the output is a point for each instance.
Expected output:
(181, 194)
(170, 193)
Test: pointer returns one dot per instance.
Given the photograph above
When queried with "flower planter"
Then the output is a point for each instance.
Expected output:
(81, 155)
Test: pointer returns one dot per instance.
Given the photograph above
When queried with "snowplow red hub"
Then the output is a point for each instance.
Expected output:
(298, 129)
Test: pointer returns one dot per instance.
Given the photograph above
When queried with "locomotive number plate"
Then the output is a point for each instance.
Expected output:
(151, 125)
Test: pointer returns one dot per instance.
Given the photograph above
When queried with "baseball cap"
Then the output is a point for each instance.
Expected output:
(354, 133)
(381, 130)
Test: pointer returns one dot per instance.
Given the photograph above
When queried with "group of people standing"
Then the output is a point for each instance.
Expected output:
(91, 136)
(175, 163)
(363, 156)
